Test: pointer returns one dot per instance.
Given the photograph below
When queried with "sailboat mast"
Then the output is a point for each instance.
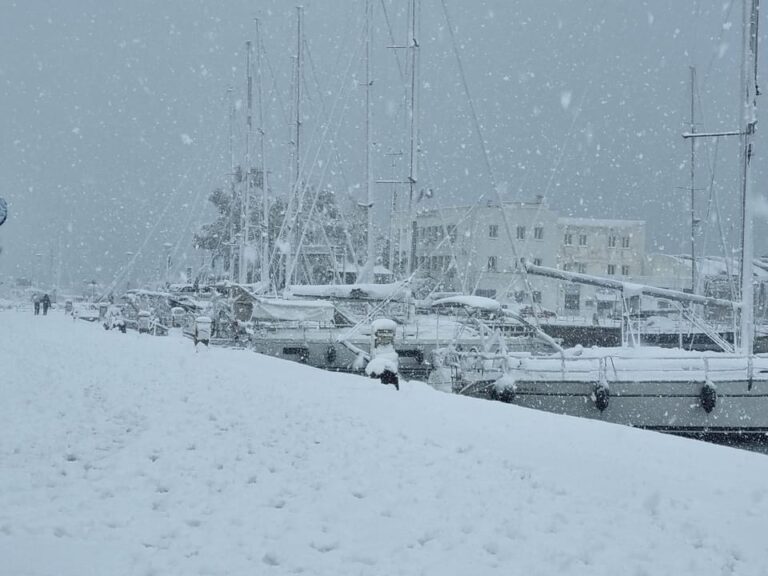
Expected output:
(244, 254)
(368, 275)
(262, 166)
(748, 120)
(297, 161)
(693, 182)
(292, 258)
(233, 187)
(414, 133)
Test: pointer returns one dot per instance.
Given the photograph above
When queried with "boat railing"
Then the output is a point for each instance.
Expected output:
(628, 368)
(608, 368)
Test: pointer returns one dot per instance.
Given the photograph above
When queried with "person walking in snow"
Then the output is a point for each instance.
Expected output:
(46, 304)
(36, 302)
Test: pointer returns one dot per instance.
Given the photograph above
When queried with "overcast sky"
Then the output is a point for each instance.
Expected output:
(113, 113)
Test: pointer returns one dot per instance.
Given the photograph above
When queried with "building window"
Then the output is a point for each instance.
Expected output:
(571, 302)
(611, 269)
(492, 264)
(536, 297)
(519, 296)
(493, 231)
(538, 233)
(537, 261)
(624, 270)
(451, 229)
(582, 239)
(611, 241)
(568, 240)
(567, 267)
(581, 268)
(625, 241)
(486, 292)
(521, 232)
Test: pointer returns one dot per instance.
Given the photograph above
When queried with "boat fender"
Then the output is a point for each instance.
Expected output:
(503, 389)
(506, 395)
(331, 355)
(708, 397)
(601, 396)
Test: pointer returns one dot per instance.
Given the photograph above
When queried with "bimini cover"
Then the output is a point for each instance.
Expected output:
(273, 309)
(396, 291)
(476, 302)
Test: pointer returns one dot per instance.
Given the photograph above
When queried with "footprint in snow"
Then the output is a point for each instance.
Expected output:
(270, 560)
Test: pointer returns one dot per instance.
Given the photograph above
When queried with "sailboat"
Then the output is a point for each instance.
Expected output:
(329, 326)
(713, 393)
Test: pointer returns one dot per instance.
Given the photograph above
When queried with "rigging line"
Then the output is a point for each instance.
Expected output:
(285, 223)
(326, 165)
(294, 192)
(324, 110)
(726, 250)
(451, 245)
(391, 34)
(318, 189)
(161, 218)
(172, 199)
(193, 208)
(308, 219)
(567, 138)
(486, 159)
(715, 53)
(317, 139)
(275, 91)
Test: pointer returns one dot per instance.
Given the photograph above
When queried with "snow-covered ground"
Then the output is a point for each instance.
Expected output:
(123, 454)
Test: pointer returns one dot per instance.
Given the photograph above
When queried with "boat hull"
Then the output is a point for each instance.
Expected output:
(740, 406)
(712, 395)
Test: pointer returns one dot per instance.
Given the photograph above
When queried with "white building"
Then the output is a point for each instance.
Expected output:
(477, 249)
(599, 247)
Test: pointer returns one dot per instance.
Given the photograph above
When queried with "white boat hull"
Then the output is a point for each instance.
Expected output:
(670, 406)
(687, 395)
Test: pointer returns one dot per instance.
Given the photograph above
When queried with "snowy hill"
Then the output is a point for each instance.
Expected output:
(127, 454)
